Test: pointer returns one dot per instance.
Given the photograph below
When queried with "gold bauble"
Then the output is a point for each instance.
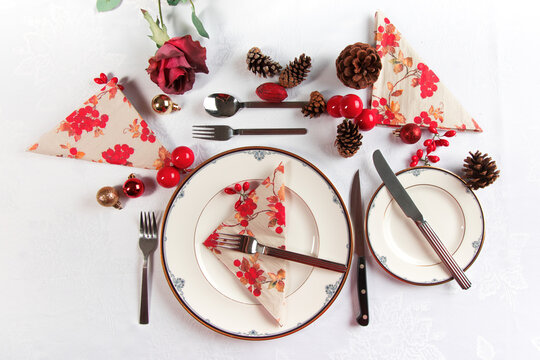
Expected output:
(108, 196)
(162, 104)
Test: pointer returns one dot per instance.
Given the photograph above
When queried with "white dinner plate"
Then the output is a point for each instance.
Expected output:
(449, 206)
(317, 224)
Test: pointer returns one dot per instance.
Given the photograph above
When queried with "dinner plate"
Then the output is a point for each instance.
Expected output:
(317, 224)
(451, 208)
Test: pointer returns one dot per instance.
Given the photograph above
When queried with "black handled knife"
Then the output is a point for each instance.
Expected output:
(358, 226)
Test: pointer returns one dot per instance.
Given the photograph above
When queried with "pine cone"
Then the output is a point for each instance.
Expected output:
(316, 105)
(295, 72)
(480, 171)
(358, 66)
(348, 138)
(260, 64)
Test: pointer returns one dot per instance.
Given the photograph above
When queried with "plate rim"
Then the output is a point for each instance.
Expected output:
(264, 337)
(397, 276)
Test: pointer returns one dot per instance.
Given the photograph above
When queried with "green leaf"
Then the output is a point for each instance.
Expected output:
(174, 2)
(106, 5)
(159, 34)
(198, 24)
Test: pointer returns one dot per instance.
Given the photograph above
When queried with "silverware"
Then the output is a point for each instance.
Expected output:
(250, 245)
(358, 225)
(148, 242)
(409, 208)
(224, 132)
(225, 105)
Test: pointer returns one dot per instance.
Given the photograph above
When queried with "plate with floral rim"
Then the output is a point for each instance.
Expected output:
(317, 221)
(452, 209)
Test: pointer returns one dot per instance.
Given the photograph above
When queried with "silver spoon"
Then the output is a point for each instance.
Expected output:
(225, 105)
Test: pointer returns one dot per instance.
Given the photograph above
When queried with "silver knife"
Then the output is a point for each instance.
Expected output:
(409, 208)
(358, 225)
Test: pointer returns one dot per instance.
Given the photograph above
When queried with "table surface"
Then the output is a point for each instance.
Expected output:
(70, 270)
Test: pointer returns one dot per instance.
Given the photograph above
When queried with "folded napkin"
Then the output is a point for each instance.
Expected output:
(259, 212)
(407, 90)
(105, 129)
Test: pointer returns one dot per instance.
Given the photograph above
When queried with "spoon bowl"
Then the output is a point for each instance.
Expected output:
(225, 105)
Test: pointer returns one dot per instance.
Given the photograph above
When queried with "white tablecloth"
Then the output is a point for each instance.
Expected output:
(70, 269)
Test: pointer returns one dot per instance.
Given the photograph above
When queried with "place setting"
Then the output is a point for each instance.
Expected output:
(256, 242)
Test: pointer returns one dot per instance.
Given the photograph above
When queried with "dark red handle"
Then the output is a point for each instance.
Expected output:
(305, 259)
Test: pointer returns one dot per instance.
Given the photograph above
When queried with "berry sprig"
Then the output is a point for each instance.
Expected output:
(245, 206)
(431, 145)
(102, 79)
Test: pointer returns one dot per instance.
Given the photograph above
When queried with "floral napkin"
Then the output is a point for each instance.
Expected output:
(105, 129)
(259, 212)
(407, 90)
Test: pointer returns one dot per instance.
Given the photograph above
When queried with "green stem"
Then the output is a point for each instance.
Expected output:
(160, 14)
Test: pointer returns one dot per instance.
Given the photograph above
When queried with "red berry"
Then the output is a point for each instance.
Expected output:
(382, 101)
(332, 106)
(433, 158)
(450, 133)
(428, 142)
(351, 106)
(230, 191)
(433, 130)
(419, 153)
(381, 29)
(367, 119)
(279, 230)
(237, 187)
(438, 143)
(244, 223)
(239, 273)
(73, 151)
(374, 104)
(237, 262)
(168, 176)
(417, 120)
(424, 114)
(414, 158)
(445, 142)
(182, 157)
(257, 292)
(413, 163)
(245, 186)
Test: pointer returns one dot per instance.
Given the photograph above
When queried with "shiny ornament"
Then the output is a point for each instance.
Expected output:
(182, 157)
(108, 196)
(168, 176)
(133, 187)
(162, 104)
(367, 119)
(351, 106)
(409, 133)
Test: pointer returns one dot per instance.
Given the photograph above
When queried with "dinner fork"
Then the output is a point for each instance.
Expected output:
(224, 132)
(250, 245)
(148, 242)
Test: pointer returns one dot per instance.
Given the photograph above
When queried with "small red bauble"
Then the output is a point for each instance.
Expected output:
(133, 187)
(168, 176)
(182, 157)
(367, 119)
(351, 106)
(271, 92)
(409, 133)
(332, 106)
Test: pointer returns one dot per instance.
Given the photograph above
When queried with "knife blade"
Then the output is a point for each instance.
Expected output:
(409, 208)
(358, 225)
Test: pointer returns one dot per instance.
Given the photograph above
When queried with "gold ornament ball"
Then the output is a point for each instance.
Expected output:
(108, 196)
(162, 104)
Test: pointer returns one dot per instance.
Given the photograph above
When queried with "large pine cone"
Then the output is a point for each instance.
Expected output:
(295, 72)
(348, 138)
(358, 66)
(260, 64)
(480, 171)
(316, 105)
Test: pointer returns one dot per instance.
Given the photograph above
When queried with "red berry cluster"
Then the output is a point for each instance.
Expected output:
(252, 276)
(119, 155)
(431, 145)
(427, 81)
(146, 133)
(245, 205)
(102, 79)
(86, 118)
(351, 107)
(182, 157)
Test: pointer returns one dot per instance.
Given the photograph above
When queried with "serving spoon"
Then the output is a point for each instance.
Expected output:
(225, 105)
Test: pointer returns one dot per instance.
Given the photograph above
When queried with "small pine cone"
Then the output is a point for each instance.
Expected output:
(260, 64)
(316, 105)
(358, 65)
(295, 72)
(348, 138)
(480, 171)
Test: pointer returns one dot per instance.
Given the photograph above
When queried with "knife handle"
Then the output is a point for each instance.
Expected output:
(444, 255)
(363, 317)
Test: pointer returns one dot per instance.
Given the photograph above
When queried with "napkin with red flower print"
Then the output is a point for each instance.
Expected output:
(105, 129)
(259, 212)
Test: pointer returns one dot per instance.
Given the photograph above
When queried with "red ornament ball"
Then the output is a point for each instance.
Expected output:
(410, 133)
(332, 106)
(367, 119)
(351, 106)
(182, 157)
(133, 187)
(168, 176)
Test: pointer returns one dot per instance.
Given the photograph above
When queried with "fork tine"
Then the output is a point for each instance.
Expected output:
(204, 126)
(232, 236)
(141, 227)
(205, 130)
(154, 225)
(203, 137)
(198, 133)
(146, 225)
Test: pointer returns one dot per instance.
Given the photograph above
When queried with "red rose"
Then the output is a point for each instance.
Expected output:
(174, 66)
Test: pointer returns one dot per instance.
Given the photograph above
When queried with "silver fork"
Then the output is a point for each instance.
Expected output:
(148, 242)
(224, 132)
(250, 245)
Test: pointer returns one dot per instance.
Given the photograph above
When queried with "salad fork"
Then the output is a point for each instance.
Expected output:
(148, 242)
(224, 132)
